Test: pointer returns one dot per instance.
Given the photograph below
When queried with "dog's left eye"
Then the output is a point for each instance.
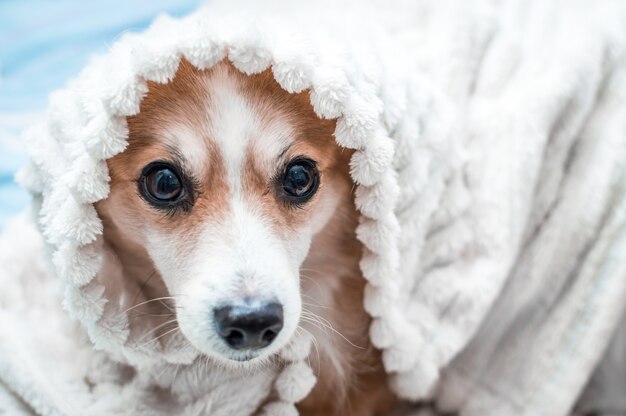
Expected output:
(161, 185)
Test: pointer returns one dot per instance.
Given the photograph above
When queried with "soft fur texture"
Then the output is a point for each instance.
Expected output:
(489, 157)
(191, 118)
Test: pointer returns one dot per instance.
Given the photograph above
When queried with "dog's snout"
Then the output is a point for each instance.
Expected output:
(249, 326)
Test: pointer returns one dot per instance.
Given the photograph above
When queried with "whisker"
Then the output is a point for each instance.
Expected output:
(169, 308)
(311, 317)
(316, 346)
(148, 301)
(319, 287)
(151, 331)
(144, 314)
(160, 336)
(315, 305)
(304, 269)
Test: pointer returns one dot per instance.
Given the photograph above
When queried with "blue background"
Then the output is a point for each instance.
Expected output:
(43, 43)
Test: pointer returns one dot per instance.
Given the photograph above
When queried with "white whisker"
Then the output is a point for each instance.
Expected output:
(148, 301)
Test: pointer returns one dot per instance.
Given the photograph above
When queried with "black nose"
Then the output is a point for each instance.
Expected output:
(252, 326)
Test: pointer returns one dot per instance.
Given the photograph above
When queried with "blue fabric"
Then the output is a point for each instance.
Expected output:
(43, 43)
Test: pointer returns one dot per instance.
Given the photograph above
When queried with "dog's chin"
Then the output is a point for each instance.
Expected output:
(248, 359)
(241, 359)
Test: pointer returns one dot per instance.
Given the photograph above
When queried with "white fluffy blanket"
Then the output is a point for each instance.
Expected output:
(490, 166)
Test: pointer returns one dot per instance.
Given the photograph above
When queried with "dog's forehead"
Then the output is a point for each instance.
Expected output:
(229, 120)
(221, 120)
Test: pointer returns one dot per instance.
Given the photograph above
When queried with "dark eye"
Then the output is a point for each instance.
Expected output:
(300, 180)
(161, 185)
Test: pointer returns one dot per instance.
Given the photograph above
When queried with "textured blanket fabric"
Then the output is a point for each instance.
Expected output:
(42, 45)
(490, 166)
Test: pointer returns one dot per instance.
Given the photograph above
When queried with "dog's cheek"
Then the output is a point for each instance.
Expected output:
(168, 253)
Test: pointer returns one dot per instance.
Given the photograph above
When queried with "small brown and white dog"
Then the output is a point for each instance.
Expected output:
(234, 200)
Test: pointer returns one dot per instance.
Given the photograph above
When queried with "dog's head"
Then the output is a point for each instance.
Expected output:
(225, 183)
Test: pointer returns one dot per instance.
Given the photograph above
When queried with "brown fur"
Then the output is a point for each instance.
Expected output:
(351, 380)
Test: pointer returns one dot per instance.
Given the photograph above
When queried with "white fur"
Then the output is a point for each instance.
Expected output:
(191, 147)
(235, 123)
(490, 153)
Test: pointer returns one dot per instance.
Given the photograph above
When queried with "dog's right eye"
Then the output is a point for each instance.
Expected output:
(299, 181)
(161, 185)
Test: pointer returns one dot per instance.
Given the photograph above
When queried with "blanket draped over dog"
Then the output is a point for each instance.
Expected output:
(490, 167)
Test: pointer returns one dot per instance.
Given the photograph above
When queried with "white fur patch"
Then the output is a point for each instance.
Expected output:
(192, 148)
(236, 124)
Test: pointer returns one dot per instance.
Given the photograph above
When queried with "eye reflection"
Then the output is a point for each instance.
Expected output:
(300, 181)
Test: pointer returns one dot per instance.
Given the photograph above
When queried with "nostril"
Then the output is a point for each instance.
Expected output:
(249, 326)
(235, 338)
(268, 336)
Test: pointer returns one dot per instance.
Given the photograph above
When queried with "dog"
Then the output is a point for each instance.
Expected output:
(231, 218)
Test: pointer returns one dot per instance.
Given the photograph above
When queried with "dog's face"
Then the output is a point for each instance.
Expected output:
(225, 183)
